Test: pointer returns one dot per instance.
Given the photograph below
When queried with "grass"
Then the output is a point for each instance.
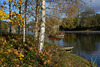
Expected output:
(93, 63)
(73, 60)
(14, 53)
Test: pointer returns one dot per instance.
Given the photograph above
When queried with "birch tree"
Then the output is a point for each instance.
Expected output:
(24, 25)
(42, 28)
(37, 19)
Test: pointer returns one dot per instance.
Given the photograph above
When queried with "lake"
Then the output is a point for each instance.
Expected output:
(85, 45)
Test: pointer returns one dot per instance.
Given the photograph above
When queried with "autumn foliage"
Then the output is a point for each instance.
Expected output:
(15, 53)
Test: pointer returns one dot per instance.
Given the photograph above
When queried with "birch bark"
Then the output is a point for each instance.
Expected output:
(24, 25)
(42, 30)
(37, 19)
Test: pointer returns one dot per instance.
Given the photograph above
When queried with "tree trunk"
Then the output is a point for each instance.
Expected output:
(42, 30)
(10, 16)
(19, 28)
(37, 19)
(0, 25)
(24, 25)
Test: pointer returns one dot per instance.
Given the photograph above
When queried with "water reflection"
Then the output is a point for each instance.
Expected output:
(85, 45)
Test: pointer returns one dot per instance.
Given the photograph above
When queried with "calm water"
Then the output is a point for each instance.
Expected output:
(85, 45)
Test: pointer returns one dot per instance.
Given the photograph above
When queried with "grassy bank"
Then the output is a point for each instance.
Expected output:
(14, 53)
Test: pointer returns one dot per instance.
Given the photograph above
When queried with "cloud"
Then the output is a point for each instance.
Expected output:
(95, 4)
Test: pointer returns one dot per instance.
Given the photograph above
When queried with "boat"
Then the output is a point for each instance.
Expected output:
(67, 48)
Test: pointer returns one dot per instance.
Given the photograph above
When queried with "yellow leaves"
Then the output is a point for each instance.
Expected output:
(2, 59)
(20, 58)
(15, 41)
(9, 0)
(16, 5)
(2, 9)
(21, 55)
(26, 17)
(13, 13)
(9, 50)
(20, 2)
(17, 18)
(19, 24)
(30, 48)
(9, 20)
(16, 52)
(46, 57)
(7, 16)
(41, 52)
(4, 42)
(32, 60)
(56, 65)
(19, 14)
(47, 62)
(6, 53)
(47, 53)
(15, 60)
(3, 15)
(24, 44)
(11, 45)
(1, 50)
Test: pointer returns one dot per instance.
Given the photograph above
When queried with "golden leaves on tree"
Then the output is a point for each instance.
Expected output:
(9, 0)
(17, 18)
(3, 15)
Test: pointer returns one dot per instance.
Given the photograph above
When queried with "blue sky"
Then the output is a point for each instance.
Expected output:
(95, 5)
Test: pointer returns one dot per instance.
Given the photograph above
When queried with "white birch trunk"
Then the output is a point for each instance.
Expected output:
(42, 30)
(37, 19)
(24, 25)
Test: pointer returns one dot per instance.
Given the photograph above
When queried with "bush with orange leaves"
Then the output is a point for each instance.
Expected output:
(13, 52)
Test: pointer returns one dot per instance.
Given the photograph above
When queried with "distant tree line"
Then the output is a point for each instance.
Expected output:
(87, 20)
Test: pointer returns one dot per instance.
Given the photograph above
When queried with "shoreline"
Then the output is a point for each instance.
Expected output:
(78, 60)
(94, 32)
(68, 59)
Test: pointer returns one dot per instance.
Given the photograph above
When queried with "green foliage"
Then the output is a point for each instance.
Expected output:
(15, 53)
(52, 25)
(69, 22)
(93, 64)
(87, 19)
(4, 26)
